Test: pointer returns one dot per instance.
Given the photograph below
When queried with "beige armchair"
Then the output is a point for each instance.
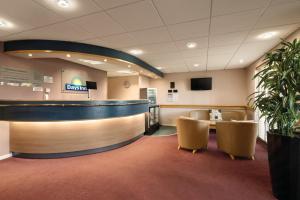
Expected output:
(199, 114)
(192, 134)
(233, 115)
(237, 138)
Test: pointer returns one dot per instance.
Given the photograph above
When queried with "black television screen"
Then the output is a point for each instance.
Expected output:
(201, 83)
(91, 85)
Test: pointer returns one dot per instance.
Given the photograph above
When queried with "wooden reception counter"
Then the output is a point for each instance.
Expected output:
(50, 129)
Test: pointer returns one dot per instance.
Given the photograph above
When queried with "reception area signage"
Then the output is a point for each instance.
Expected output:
(74, 80)
(73, 87)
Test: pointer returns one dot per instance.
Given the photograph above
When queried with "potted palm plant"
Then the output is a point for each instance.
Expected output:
(278, 102)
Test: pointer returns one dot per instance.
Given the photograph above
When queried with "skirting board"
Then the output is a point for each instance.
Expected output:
(5, 156)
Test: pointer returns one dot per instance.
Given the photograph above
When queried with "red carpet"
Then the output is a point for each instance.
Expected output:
(151, 168)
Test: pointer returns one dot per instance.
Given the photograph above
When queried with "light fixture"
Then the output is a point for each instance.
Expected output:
(159, 68)
(196, 65)
(30, 54)
(92, 62)
(63, 3)
(241, 60)
(5, 24)
(124, 72)
(48, 51)
(129, 66)
(68, 55)
(105, 60)
(267, 35)
(136, 51)
(191, 45)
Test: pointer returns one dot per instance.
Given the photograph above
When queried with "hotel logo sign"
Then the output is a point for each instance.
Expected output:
(76, 85)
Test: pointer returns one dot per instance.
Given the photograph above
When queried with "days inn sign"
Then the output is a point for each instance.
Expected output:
(76, 85)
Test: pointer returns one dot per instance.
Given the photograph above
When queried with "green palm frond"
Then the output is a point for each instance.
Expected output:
(279, 100)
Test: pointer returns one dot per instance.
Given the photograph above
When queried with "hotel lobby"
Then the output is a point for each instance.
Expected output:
(150, 99)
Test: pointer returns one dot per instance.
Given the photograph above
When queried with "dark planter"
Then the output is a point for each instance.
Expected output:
(284, 163)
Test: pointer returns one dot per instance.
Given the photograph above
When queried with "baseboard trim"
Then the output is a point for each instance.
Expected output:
(5, 156)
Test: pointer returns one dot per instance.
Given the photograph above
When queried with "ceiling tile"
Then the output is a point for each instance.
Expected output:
(149, 36)
(214, 51)
(106, 4)
(189, 30)
(227, 39)
(281, 32)
(201, 43)
(222, 7)
(191, 53)
(115, 41)
(176, 11)
(77, 8)
(162, 57)
(99, 24)
(235, 22)
(198, 61)
(28, 12)
(155, 48)
(61, 31)
(137, 16)
(281, 14)
(276, 2)
(218, 61)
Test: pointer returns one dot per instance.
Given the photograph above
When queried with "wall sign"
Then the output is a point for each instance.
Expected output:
(74, 81)
(73, 87)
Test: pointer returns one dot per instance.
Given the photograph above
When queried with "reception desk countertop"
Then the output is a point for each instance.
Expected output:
(69, 110)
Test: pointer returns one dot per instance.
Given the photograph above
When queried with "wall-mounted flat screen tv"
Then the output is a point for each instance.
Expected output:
(201, 83)
(91, 85)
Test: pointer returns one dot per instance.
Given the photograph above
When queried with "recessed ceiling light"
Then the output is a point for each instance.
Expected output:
(68, 55)
(191, 45)
(48, 51)
(2, 23)
(30, 54)
(92, 62)
(63, 3)
(136, 51)
(267, 35)
(124, 72)
(129, 66)
(159, 68)
(241, 61)
(196, 65)
(105, 60)
(5, 24)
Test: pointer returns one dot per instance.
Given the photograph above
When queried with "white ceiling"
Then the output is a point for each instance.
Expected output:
(225, 30)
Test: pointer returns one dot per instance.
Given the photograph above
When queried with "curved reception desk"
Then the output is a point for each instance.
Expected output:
(51, 129)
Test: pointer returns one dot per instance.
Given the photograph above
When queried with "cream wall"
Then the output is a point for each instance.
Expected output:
(117, 90)
(228, 88)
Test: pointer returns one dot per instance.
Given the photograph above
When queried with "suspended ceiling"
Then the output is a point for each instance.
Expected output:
(226, 31)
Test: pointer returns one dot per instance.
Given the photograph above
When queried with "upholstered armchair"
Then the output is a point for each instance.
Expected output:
(233, 115)
(192, 134)
(199, 114)
(237, 138)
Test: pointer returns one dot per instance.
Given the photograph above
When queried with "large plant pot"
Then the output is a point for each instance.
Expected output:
(284, 163)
